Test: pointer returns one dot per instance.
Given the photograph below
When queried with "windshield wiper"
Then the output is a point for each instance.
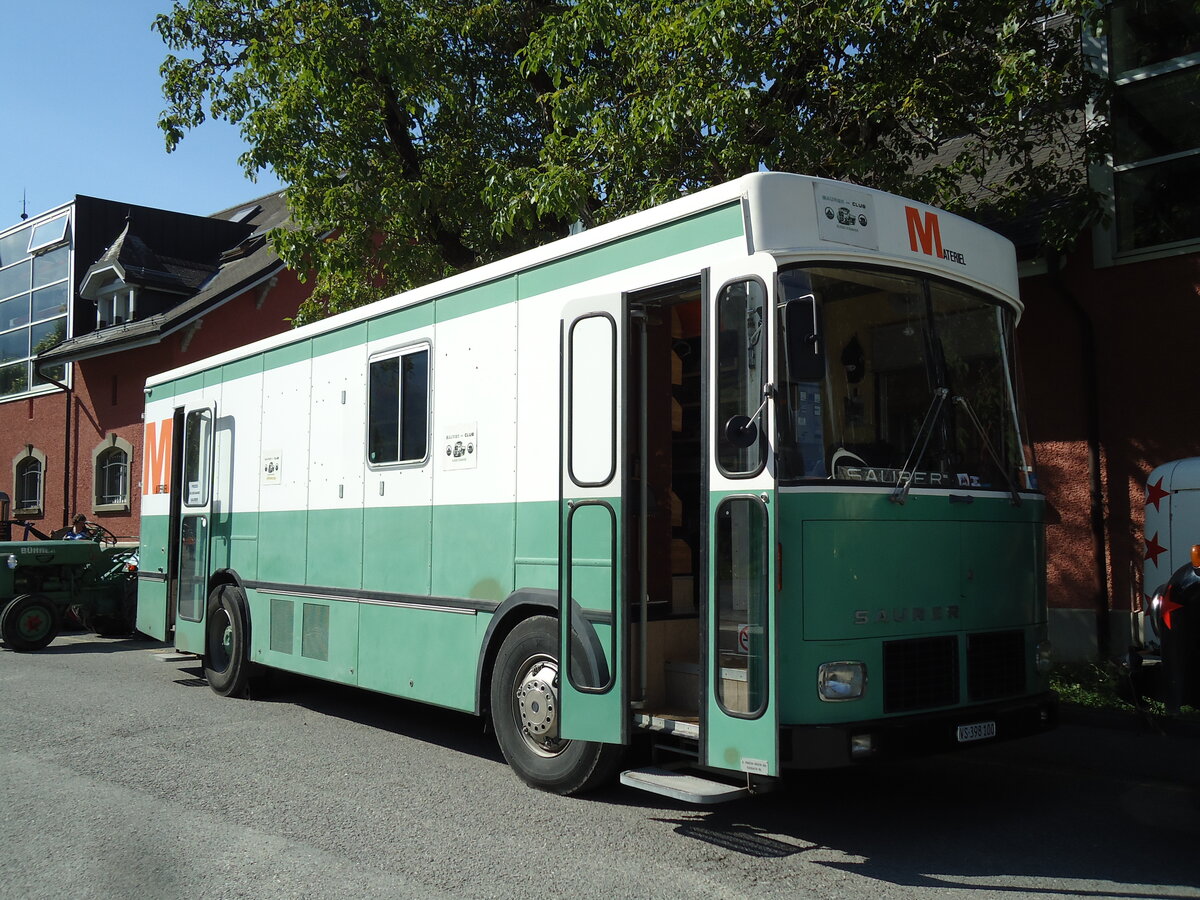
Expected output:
(987, 445)
(924, 433)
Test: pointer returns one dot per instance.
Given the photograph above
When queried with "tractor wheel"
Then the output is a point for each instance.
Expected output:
(524, 706)
(227, 642)
(29, 622)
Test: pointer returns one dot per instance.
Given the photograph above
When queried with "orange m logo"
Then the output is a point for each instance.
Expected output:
(926, 232)
(156, 457)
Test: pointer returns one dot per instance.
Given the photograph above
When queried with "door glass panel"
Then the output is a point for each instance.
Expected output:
(593, 389)
(591, 534)
(741, 371)
(197, 444)
(741, 574)
(193, 567)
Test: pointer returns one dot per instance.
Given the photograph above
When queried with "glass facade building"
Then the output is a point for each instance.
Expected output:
(35, 293)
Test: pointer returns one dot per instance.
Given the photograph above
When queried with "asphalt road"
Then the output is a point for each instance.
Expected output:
(124, 776)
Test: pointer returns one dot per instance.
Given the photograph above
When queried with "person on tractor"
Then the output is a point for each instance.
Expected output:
(79, 529)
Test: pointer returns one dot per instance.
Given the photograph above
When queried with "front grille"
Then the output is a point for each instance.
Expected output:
(995, 665)
(920, 674)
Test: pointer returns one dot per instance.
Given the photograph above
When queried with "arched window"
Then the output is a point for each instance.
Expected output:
(29, 470)
(110, 462)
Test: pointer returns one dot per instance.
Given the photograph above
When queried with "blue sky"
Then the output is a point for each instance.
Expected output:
(79, 102)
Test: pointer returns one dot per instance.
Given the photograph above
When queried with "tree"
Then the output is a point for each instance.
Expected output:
(422, 138)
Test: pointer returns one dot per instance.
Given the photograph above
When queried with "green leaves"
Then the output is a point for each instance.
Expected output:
(422, 138)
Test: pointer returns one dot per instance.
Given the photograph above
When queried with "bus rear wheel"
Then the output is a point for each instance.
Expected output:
(29, 622)
(227, 642)
(524, 707)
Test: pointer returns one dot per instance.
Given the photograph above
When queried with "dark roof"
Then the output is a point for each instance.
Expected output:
(142, 267)
(243, 259)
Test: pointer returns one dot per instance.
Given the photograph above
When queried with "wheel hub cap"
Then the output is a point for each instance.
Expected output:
(537, 701)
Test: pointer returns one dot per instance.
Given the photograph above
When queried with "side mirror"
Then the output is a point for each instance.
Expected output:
(741, 431)
(804, 347)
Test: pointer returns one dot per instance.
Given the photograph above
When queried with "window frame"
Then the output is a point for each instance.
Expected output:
(766, 335)
(32, 384)
(106, 448)
(62, 236)
(1104, 176)
(29, 453)
(398, 353)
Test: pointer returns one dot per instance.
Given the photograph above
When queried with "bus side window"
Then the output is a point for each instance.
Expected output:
(398, 407)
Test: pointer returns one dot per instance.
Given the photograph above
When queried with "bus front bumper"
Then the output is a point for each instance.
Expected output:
(848, 744)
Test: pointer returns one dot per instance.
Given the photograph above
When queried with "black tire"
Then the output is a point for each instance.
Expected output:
(29, 622)
(227, 642)
(524, 709)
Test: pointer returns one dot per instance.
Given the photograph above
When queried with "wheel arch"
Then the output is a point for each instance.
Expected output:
(231, 577)
(522, 604)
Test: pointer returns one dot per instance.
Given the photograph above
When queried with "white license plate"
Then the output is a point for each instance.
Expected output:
(978, 731)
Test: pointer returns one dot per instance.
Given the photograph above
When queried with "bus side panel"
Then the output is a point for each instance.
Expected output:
(474, 485)
(397, 500)
(283, 457)
(537, 456)
(420, 654)
(337, 461)
(309, 635)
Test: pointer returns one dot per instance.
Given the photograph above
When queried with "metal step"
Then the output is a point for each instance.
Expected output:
(681, 725)
(682, 786)
(174, 656)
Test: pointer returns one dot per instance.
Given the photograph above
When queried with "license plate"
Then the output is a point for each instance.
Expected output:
(978, 731)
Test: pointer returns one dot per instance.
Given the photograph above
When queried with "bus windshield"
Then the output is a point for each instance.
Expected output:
(892, 342)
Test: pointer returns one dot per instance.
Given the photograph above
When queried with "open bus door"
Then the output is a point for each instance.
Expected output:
(739, 711)
(593, 689)
(190, 567)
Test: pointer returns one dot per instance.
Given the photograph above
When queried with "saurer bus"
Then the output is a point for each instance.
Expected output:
(745, 472)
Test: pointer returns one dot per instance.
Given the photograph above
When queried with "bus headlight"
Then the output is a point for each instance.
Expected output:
(12, 560)
(1042, 656)
(841, 680)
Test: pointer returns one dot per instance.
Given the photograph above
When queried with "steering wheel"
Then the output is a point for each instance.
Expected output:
(101, 535)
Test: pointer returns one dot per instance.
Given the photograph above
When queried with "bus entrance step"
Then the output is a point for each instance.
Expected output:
(174, 656)
(682, 786)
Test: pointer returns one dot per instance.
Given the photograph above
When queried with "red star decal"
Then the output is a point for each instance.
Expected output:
(1154, 549)
(1155, 493)
(34, 622)
(1169, 606)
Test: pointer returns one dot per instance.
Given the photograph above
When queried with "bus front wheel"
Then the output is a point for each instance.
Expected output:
(227, 642)
(524, 707)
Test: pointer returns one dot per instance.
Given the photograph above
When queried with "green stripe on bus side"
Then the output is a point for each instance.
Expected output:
(400, 321)
(708, 227)
(477, 299)
(287, 355)
(342, 339)
(242, 368)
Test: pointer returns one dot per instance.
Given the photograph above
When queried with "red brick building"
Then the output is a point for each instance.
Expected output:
(1108, 332)
(94, 296)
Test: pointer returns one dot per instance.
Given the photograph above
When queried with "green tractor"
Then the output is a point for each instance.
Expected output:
(50, 579)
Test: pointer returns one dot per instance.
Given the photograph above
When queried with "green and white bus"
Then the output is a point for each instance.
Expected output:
(745, 472)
